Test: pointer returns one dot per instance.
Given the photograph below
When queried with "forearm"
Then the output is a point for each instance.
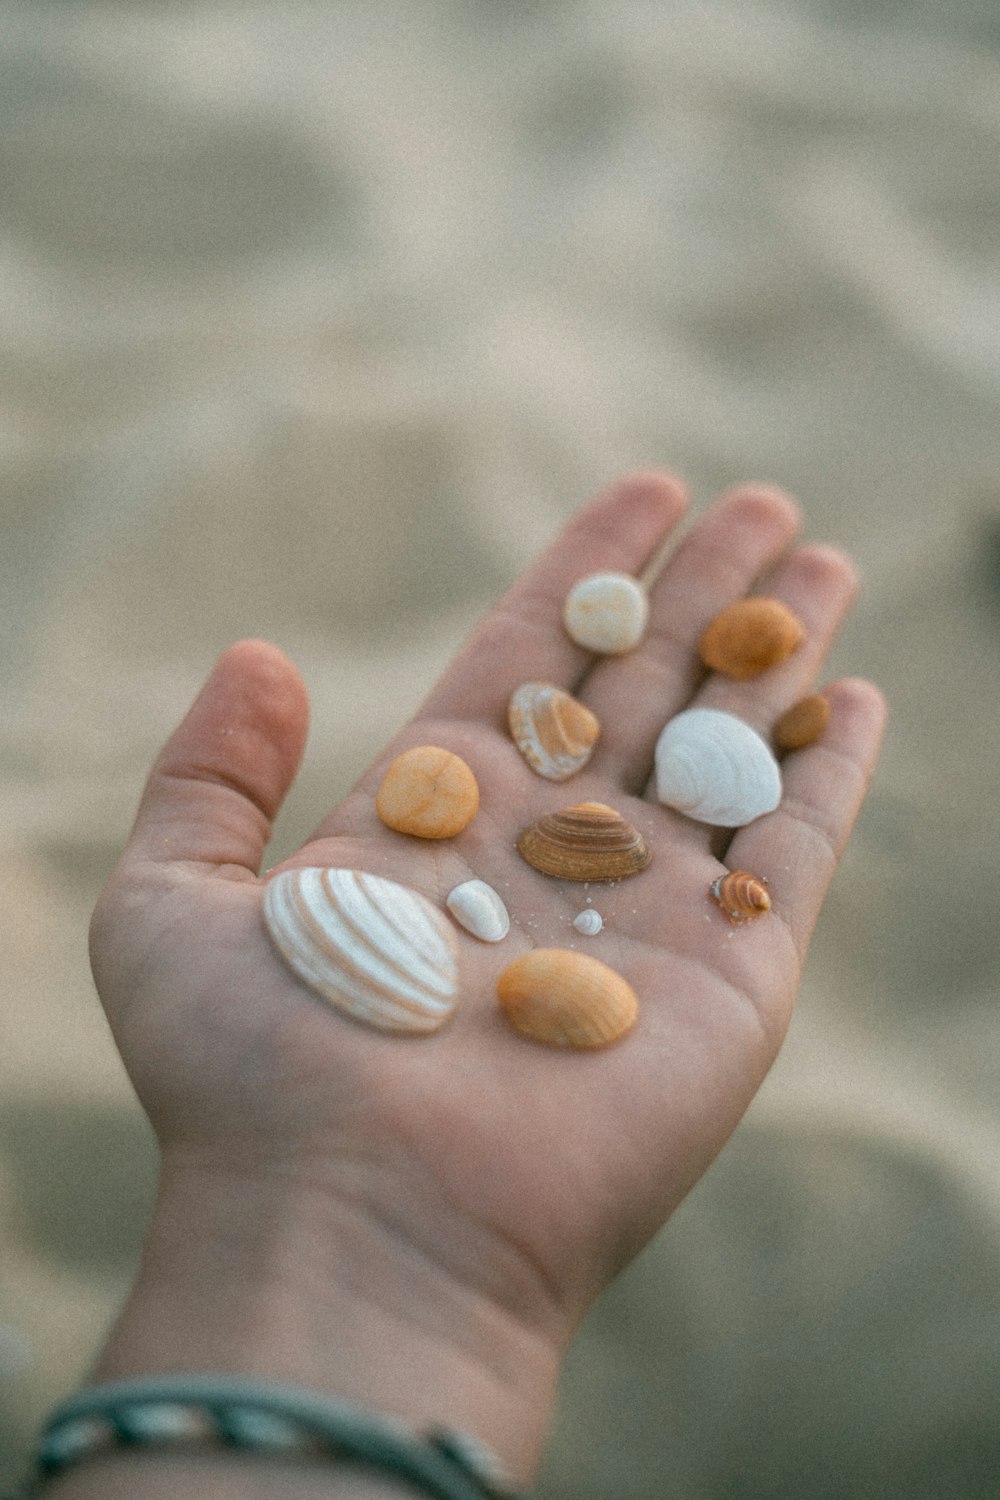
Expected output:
(286, 1287)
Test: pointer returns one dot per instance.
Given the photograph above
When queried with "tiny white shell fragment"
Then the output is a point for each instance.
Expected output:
(477, 907)
(716, 769)
(606, 612)
(372, 948)
(588, 922)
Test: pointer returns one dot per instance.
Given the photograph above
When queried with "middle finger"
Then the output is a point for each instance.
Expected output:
(717, 562)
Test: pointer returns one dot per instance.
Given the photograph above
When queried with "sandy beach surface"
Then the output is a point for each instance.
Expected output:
(317, 321)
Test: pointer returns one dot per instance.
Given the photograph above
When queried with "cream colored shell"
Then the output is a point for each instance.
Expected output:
(716, 769)
(374, 949)
(607, 612)
(477, 907)
(555, 734)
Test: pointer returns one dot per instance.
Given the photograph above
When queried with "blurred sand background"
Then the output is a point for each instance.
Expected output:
(317, 320)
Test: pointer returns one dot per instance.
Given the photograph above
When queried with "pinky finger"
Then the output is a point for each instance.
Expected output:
(798, 847)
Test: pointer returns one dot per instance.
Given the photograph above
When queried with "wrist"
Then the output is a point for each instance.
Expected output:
(278, 1276)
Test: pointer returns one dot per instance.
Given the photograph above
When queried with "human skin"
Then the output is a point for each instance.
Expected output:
(419, 1224)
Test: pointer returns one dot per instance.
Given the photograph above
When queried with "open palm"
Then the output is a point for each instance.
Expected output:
(519, 1164)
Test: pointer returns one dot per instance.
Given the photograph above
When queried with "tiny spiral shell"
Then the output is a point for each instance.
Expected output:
(589, 921)
(741, 895)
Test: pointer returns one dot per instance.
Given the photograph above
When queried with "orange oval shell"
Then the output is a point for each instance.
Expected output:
(428, 792)
(562, 998)
(588, 841)
(803, 723)
(741, 895)
(553, 732)
(750, 636)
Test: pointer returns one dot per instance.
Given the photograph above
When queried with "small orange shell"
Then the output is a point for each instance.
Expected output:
(553, 732)
(803, 723)
(750, 636)
(741, 895)
(588, 841)
(566, 999)
(428, 792)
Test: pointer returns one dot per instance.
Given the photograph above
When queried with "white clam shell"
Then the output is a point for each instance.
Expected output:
(716, 769)
(589, 922)
(606, 612)
(477, 907)
(372, 948)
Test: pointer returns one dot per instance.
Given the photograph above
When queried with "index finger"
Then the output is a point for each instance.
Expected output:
(523, 638)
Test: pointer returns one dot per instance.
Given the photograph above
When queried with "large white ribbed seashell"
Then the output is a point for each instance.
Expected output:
(477, 907)
(716, 769)
(372, 948)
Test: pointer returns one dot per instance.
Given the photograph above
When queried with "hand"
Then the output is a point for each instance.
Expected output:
(509, 1181)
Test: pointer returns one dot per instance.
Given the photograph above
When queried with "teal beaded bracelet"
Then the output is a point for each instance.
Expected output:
(198, 1411)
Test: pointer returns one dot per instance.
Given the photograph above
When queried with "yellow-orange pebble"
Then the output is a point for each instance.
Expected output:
(428, 792)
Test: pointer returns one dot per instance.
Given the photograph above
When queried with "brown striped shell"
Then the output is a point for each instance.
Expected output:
(428, 792)
(562, 998)
(741, 895)
(553, 732)
(750, 636)
(803, 723)
(588, 841)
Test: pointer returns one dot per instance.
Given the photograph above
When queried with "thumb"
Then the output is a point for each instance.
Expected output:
(219, 781)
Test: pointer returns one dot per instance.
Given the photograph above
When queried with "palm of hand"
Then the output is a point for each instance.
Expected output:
(567, 1162)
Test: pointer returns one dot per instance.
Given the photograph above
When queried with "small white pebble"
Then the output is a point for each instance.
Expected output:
(606, 612)
(477, 907)
(589, 922)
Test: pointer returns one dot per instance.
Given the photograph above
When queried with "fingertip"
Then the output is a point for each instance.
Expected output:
(219, 781)
(259, 674)
(250, 720)
(827, 568)
(654, 490)
(661, 485)
(859, 705)
(767, 503)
